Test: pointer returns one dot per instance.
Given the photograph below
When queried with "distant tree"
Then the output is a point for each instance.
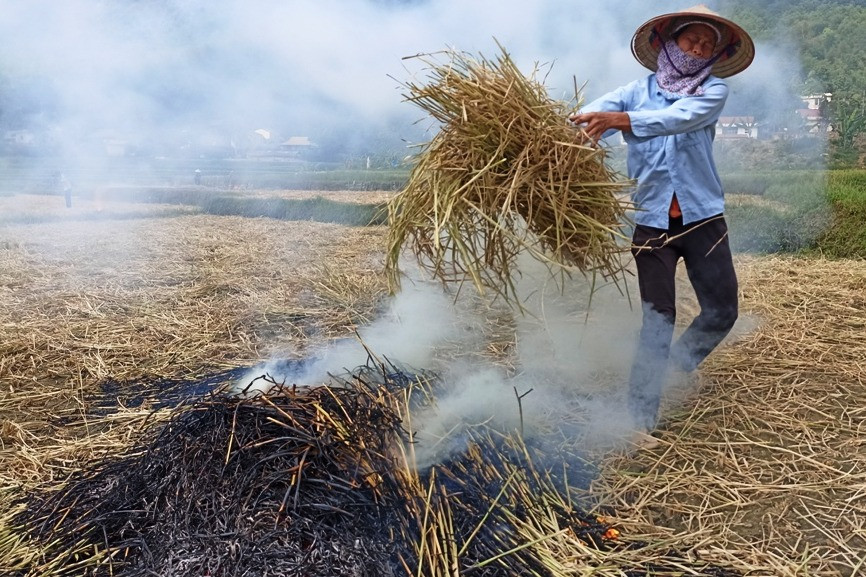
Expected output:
(849, 117)
(829, 39)
(833, 48)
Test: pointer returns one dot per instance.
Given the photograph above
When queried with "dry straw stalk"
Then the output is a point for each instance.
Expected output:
(506, 174)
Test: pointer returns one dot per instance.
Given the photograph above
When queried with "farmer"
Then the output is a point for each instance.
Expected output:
(668, 121)
(66, 187)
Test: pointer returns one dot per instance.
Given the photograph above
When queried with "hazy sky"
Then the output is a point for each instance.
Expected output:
(294, 65)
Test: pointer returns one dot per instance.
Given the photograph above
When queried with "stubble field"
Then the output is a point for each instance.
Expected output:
(762, 467)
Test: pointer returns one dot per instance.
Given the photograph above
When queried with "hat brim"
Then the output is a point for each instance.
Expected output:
(737, 47)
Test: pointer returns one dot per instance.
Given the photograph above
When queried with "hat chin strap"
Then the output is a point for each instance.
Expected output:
(709, 63)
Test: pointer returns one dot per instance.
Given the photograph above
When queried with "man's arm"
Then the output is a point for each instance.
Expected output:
(597, 123)
(683, 115)
(606, 114)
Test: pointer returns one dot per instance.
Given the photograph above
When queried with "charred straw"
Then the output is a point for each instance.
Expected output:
(315, 481)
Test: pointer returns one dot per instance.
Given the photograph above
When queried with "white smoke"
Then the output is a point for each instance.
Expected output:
(570, 357)
(146, 67)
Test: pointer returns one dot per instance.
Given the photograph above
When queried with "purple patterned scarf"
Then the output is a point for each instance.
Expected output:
(680, 74)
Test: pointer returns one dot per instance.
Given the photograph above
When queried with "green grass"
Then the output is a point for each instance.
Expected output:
(39, 175)
(847, 235)
(318, 209)
(798, 211)
(239, 203)
(224, 185)
(769, 210)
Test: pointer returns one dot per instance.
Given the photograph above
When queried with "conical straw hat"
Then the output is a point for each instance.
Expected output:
(736, 46)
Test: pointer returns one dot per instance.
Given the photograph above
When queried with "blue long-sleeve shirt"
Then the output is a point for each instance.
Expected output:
(670, 148)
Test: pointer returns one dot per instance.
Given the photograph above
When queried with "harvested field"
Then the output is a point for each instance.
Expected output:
(766, 462)
(89, 299)
(762, 470)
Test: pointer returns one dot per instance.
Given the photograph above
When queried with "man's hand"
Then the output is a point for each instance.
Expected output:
(597, 123)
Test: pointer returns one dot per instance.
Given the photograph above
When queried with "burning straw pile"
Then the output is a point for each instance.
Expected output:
(505, 174)
(318, 481)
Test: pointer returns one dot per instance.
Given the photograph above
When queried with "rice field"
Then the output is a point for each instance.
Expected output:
(762, 466)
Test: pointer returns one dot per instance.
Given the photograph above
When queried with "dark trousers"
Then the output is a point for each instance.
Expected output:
(705, 249)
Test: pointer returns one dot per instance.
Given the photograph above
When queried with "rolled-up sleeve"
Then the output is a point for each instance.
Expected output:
(615, 101)
(683, 115)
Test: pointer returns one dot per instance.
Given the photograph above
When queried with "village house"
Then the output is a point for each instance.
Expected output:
(297, 145)
(814, 112)
(733, 127)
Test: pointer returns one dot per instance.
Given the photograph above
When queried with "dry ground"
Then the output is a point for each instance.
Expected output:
(762, 468)
(766, 461)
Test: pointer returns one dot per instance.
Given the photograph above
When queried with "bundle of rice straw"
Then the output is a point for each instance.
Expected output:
(505, 174)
